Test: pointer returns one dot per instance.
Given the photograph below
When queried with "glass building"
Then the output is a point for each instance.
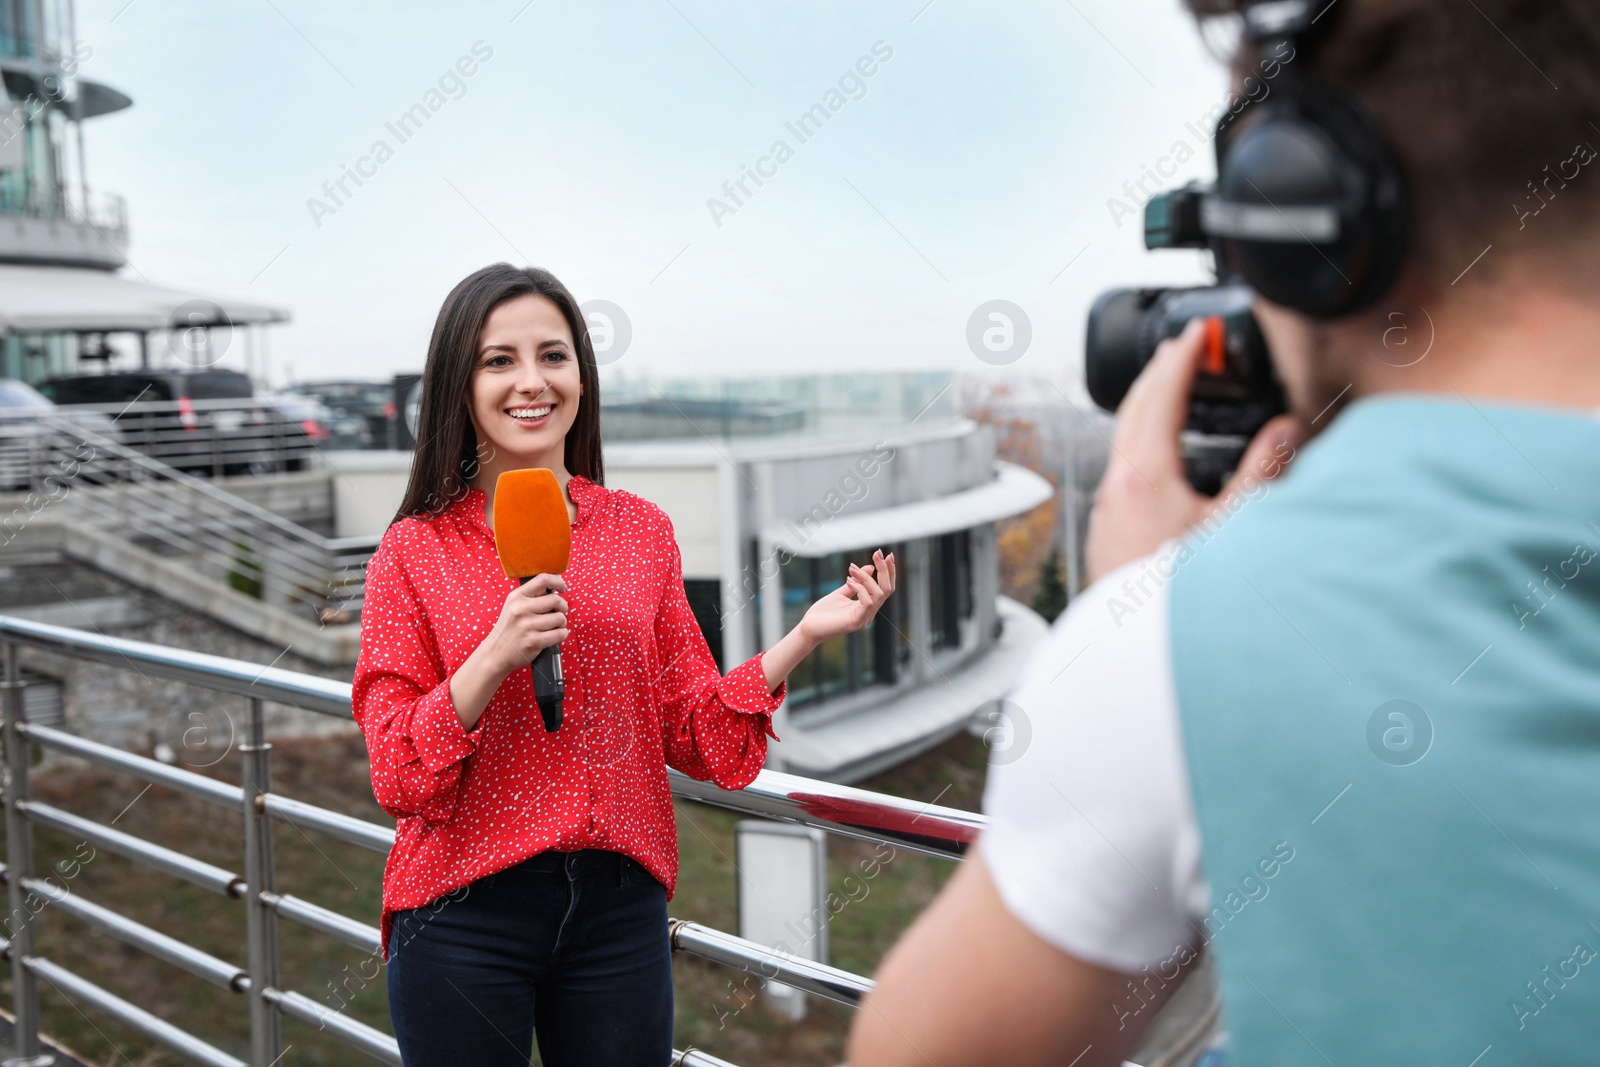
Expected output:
(62, 238)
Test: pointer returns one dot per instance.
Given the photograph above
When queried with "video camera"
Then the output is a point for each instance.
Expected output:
(1310, 210)
(1236, 390)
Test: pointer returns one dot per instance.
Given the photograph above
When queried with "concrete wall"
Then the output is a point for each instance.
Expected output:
(367, 488)
(302, 497)
(689, 496)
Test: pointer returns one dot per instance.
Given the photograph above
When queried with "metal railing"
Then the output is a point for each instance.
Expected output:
(844, 810)
(247, 435)
(858, 813)
(77, 466)
(106, 212)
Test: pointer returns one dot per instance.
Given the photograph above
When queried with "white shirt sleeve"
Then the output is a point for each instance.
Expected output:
(1094, 844)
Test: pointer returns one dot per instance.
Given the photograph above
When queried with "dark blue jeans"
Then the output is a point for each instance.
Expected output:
(571, 946)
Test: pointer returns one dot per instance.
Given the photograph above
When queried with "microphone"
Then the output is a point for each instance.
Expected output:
(533, 534)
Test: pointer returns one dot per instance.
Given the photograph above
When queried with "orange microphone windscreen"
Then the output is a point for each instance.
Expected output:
(532, 530)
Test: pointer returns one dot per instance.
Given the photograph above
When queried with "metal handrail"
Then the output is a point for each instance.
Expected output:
(220, 437)
(197, 786)
(844, 810)
(218, 972)
(125, 1012)
(180, 665)
(831, 983)
(105, 211)
(167, 860)
(325, 921)
(841, 809)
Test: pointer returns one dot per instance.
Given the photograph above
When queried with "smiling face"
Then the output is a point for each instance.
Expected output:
(525, 386)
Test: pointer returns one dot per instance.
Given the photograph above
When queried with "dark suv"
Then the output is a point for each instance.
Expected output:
(361, 413)
(201, 421)
(24, 417)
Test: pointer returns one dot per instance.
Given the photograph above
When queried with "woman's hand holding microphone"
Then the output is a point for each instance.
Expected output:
(533, 617)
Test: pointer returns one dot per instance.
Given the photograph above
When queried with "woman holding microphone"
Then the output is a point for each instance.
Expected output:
(526, 893)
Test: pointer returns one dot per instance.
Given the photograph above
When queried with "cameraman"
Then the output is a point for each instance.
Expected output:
(1372, 691)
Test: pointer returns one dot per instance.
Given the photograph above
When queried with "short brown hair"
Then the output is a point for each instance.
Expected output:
(1478, 98)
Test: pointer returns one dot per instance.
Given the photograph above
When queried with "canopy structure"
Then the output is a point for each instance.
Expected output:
(1014, 491)
(80, 300)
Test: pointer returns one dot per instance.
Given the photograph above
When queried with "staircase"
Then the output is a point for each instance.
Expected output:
(180, 536)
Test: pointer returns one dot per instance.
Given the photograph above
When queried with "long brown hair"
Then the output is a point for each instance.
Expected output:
(448, 453)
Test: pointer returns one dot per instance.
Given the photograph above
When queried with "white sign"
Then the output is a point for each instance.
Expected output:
(783, 875)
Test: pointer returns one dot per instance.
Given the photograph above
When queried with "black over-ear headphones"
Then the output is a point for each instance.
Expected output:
(1310, 207)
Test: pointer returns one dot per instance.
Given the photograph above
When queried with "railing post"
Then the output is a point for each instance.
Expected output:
(261, 926)
(35, 466)
(19, 865)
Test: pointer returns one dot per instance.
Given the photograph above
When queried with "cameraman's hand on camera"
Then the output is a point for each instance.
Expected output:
(1144, 498)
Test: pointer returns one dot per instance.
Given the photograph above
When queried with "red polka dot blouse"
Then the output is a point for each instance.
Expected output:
(642, 693)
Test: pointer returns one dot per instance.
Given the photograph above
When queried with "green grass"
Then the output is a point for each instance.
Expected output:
(714, 1012)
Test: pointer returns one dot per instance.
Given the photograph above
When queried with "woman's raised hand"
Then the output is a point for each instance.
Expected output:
(852, 605)
(533, 618)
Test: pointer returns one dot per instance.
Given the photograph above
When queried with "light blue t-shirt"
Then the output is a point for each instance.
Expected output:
(1346, 736)
(1393, 665)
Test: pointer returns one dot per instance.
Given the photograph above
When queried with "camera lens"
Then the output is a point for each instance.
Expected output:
(1234, 394)
(1116, 349)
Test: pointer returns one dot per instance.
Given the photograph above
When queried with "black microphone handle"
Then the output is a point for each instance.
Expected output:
(548, 687)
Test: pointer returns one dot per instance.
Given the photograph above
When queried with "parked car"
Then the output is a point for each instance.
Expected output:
(306, 412)
(371, 404)
(201, 421)
(22, 411)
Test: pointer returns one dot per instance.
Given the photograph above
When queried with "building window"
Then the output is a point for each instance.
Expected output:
(19, 31)
(876, 655)
(950, 587)
(33, 357)
(705, 600)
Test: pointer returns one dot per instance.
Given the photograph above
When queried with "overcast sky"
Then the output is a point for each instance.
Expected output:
(975, 163)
